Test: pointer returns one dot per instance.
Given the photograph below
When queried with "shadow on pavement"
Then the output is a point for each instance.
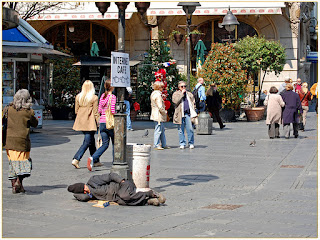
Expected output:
(185, 180)
(35, 190)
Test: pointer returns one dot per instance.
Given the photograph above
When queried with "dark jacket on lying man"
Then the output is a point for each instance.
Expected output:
(110, 187)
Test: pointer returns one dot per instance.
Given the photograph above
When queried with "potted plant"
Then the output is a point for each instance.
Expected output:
(260, 55)
(222, 67)
(195, 36)
(177, 36)
(66, 85)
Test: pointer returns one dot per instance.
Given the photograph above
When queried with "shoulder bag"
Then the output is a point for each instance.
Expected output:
(109, 115)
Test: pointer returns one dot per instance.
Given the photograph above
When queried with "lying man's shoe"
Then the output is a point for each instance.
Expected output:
(153, 201)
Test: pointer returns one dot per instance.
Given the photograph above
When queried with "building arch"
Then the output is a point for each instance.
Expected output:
(80, 40)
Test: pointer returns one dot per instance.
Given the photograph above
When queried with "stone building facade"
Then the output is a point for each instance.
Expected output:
(287, 22)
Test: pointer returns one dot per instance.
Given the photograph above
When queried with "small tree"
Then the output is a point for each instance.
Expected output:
(158, 53)
(66, 81)
(222, 67)
(258, 54)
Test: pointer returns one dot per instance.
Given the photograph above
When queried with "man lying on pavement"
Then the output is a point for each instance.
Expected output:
(112, 187)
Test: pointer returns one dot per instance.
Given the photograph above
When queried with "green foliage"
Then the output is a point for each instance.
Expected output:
(158, 53)
(66, 81)
(257, 54)
(222, 67)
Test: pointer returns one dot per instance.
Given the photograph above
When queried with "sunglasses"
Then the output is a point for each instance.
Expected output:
(183, 86)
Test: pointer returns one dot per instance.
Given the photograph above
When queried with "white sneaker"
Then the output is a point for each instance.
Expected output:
(181, 147)
(191, 146)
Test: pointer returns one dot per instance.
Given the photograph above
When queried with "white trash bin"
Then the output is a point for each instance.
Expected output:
(138, 159)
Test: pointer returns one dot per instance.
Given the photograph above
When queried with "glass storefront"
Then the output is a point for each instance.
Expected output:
(7, 82)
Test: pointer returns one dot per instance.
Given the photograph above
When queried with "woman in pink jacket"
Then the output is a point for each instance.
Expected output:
(107, 99)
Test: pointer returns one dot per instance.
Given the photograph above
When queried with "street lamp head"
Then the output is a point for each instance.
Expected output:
(230, 21)
(189, 7)
(142, 7)
(102, 7)
(122, 5)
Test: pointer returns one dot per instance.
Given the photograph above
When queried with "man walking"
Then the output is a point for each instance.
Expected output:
(127, 100)
(200, 90)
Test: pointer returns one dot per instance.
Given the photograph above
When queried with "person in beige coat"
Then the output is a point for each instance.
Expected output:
(274, 105)
(184, 112)
(87, 120)
(159, 116)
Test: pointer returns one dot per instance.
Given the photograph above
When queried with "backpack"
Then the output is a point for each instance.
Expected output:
(196, 97)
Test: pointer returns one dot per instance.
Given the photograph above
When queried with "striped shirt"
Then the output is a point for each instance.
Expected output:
(103, 103)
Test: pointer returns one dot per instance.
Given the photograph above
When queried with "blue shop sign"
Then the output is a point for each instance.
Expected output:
(312, 56)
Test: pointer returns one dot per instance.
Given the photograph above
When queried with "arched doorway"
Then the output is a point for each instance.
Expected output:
(79, 35)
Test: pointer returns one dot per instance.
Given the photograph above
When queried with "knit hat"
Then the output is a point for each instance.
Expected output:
(76, 188)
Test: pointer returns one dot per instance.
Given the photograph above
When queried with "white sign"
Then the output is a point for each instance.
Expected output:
(120, 69)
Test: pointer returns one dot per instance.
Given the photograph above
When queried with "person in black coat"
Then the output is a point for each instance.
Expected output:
(214, 103)
(114, 188)
(290, 113)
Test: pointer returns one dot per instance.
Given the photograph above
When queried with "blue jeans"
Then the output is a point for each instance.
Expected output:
(88, 142)
(186, 124)
(202, 106)
(106, 134)
(159, 135)
(128, 114)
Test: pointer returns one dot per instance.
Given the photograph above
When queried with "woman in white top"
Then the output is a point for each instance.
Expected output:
(274, 105)
(158, 115)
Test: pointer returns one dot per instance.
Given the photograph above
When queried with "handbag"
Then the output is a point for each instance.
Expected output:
(109, 116)
(99, 141)
(4, 126)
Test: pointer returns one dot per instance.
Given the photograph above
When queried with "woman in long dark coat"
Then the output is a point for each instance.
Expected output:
(290, 112)
(214, 102)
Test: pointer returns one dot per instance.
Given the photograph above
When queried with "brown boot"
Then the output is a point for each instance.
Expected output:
(153, 201)
(21, 186)
(160, 197)
(14, 190)
(16, 186)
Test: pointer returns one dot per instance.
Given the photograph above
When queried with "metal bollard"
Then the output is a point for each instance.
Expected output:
(138, 159)
(204, 124)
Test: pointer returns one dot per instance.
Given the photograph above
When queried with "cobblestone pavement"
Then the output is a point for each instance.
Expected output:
(222, 188)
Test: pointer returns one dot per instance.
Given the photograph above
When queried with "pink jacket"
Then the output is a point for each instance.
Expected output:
(103, 103)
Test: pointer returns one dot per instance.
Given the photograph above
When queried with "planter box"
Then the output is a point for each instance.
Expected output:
(254, 114)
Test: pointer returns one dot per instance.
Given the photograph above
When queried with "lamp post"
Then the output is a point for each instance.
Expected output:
(188, 8)
(120, 165)
(230, 22)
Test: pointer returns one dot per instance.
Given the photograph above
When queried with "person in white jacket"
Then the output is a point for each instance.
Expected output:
(159, 116)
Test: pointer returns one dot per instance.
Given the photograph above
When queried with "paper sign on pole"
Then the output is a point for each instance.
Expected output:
(120, 69)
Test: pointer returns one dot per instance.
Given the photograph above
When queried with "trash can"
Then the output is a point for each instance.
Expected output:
(38, 112)
(204, 124)
(138, 159)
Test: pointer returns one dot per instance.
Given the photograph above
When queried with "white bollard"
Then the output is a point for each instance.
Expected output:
(138, 159)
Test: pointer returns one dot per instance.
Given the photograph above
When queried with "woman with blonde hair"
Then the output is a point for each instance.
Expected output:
(86, 108)
(20, 117)
(305, 96)
(107, 102)
(158, 115)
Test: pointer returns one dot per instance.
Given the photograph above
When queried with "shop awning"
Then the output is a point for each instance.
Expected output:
(85, 11)
(217, 8)
(50, 53)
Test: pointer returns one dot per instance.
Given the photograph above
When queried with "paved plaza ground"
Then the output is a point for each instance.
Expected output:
(222, 188)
